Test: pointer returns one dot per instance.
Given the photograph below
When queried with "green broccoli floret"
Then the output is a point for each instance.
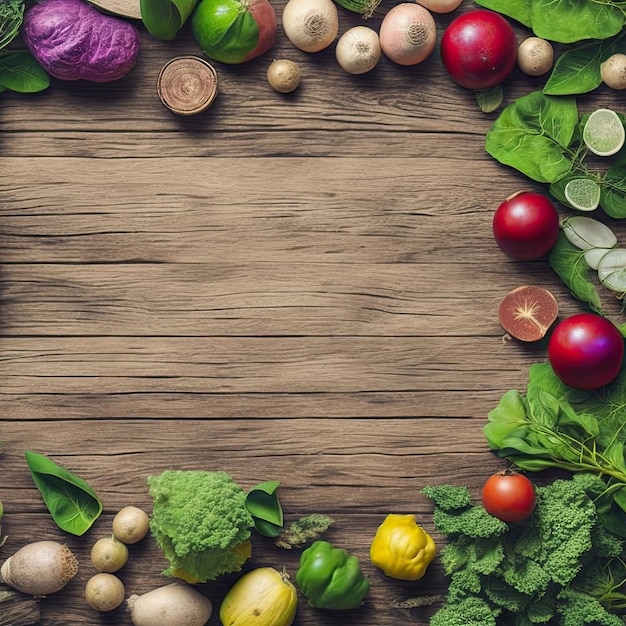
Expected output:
(472, 611)
(200, 522)
(577, 609)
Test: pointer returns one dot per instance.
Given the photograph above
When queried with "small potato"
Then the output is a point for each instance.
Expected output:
(131, 524)
(535, 56)
(104, 592)
(109, 555)
(284, 75)
(172, 605)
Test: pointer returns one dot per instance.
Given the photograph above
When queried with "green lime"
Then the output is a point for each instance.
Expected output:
(583, 194)
(604, 132)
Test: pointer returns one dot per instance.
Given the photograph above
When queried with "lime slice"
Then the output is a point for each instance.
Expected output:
(583, 194)
(604, 132)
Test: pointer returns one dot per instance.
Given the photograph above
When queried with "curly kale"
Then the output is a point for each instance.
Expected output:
(560, 567)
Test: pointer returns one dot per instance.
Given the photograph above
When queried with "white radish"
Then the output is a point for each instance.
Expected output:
(408, 34)
(311, 25)
(40, 568)
(358, 50)
(176, 604)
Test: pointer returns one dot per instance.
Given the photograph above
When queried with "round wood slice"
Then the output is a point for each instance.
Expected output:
(187, 85)
(123, 8)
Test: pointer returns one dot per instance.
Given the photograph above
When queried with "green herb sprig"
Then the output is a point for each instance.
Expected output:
(555, 426)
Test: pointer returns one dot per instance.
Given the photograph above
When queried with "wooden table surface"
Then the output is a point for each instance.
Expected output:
(301, 288)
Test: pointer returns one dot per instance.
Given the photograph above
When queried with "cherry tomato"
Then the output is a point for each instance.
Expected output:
(586, 351)
(526, 225)
(509, 496)
(479, 49)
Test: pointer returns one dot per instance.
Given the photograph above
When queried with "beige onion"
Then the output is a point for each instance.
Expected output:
(311, 25)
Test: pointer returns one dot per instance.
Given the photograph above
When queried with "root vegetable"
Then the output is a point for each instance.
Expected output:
(535, 56)
(109, 555)
(131, 524)
(358, 50)
(176, 604)
(441, 6)
(104, 592)
(408, 34)
(40, 568)
(613, 71)
(284, 75)
(311, 25)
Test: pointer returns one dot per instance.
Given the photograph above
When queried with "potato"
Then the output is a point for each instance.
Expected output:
(176, 604)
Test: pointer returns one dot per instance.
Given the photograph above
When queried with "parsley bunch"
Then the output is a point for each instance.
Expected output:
(561, 567)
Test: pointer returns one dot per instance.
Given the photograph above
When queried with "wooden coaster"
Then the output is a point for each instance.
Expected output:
(123, 8)
(187, 85)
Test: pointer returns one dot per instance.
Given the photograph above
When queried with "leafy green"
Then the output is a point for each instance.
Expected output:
(163, 19)
(569, 263)
(540, 135)
(533, 134)
(564, 21)
(303, 530)
(263, 504)
(11, 18)
(555, 426)
(19, 71)
(561, 566)
(73, 504)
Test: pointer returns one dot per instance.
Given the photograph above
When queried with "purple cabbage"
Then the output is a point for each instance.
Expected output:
(72, 40)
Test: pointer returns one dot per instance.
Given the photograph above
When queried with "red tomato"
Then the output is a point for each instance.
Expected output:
(509, 496)
(479, 49)
(586, 351)
(526, 225)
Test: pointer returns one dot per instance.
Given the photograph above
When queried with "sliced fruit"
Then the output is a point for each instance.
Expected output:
(593, 256)
(527, 312)
(585, 233)
(583, 194)
(604, 132)
(612, 270)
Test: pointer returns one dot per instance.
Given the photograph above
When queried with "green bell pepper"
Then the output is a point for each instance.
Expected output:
(330, 578)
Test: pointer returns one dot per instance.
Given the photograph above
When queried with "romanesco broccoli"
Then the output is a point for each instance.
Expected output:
(200, 522)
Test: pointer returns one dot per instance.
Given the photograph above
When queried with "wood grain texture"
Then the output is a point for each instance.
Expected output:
(297, 287)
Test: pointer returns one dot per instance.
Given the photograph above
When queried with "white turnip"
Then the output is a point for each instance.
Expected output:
(311, 25)
(408, 34)
(284, 75)
(358, 50)
(40, 568)
(176, 604)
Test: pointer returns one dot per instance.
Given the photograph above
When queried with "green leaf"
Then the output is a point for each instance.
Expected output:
(613, 189)
(519, 10)
(576, 70)
(73, 504)
(163, 19)
(505, 419)
(570, 265)
(489, 100)
(533, 133)
(263, 504)
(20, 72)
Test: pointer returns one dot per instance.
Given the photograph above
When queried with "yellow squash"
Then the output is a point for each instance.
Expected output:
(261, 597)
(401, 548)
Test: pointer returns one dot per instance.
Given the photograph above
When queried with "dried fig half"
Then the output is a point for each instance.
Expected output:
(527, 312)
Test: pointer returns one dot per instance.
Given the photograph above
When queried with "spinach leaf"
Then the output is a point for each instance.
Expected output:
(576, 70)
(613, 189)
(263, 504)
(563, 21)
(19, 71)
(164, 18)
(569, 264)
(73, 504)
(533, 133)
